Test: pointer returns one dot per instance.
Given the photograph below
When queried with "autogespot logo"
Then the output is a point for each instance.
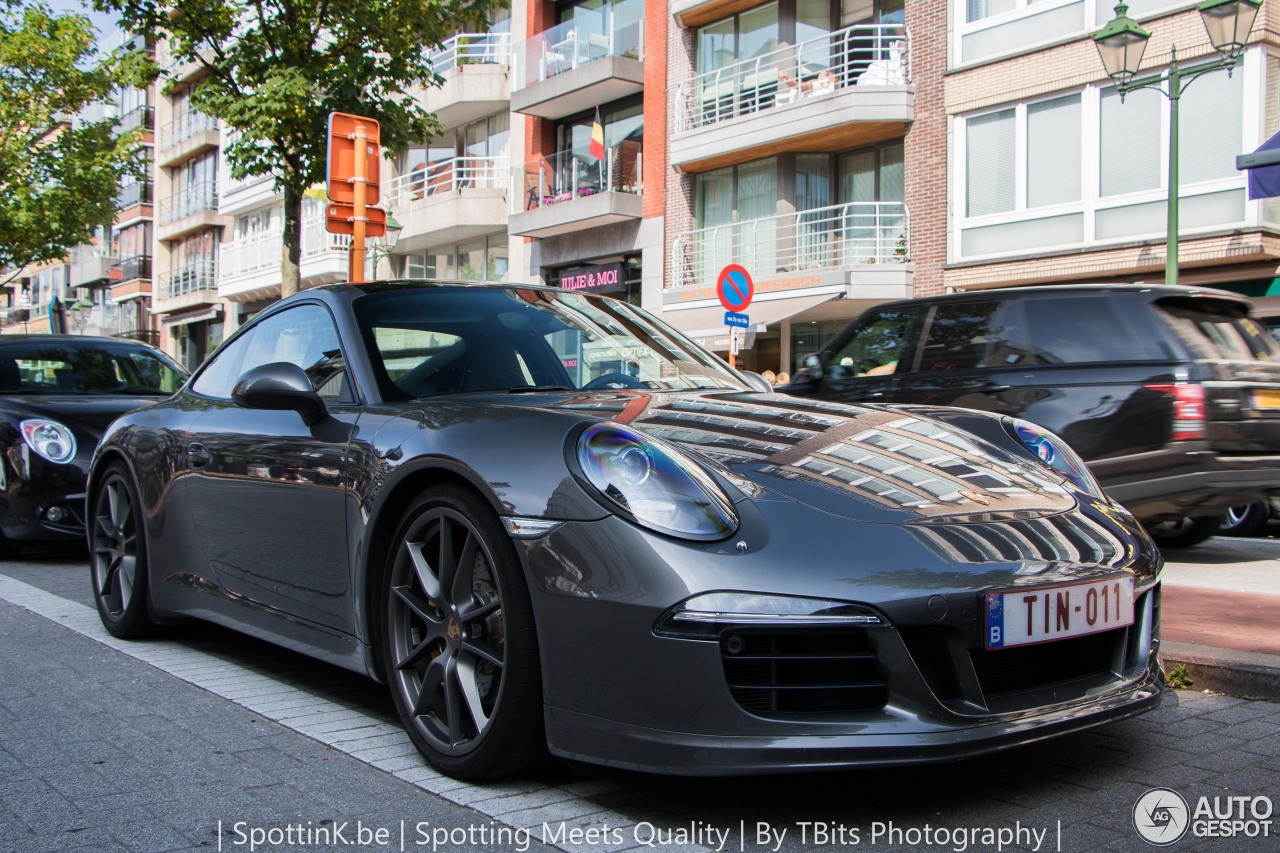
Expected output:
(1161, 816)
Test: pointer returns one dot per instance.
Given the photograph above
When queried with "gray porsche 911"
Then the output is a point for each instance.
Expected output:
(552, 524)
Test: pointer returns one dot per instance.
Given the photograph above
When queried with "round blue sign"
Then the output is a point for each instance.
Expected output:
(735, 288)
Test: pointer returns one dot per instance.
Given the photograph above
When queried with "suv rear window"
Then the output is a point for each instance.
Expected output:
(1217, 337)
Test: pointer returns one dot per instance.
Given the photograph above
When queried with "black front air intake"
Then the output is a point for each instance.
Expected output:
(775, 671)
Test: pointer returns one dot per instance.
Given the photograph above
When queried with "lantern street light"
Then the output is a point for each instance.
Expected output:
(381, 250)
(1121, 44)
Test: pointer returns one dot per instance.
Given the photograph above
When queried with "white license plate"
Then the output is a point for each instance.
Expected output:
(1041, 614)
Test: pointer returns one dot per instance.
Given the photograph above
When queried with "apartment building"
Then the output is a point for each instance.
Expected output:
(1053, 177)
(844, 152)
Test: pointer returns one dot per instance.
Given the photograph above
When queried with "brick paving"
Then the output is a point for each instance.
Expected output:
(100, 751)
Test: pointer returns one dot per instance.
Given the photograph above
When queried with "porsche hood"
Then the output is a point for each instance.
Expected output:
(870, 463)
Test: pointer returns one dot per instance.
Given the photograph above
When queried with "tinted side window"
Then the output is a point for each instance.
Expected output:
(969, 335)
(873, 346)
(304, 336)
(1081, 329)
(220, 374)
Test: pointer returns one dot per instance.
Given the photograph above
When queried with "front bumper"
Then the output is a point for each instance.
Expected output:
(618, 694)
(40, 500)
(592, 739)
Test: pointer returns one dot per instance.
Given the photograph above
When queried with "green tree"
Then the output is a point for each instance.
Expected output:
(275, 69)
(58, 172)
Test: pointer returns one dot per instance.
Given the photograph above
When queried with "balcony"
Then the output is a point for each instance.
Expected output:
(100, 320)
(857, 245)
(186, 136)
(138, 118)
(134, 195)
(476, 68)
(91, 265)
(187, 286)
(593, 59)
(450, 201)
(132, 267)
(188, 210)
(848, 88)
(249, 267)
(570, 192)
(177, 69)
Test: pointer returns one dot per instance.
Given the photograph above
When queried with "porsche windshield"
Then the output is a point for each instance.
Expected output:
(450, 339)
(85, 366)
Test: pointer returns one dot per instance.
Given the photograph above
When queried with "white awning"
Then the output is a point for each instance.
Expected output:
(706, 325)
(184, 319)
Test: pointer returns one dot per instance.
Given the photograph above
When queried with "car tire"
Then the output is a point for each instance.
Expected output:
(459, 645)
(118, 555)
(1244, 520)
(1184, 532)
(8, 550)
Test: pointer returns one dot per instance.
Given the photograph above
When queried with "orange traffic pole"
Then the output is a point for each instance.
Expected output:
(356, 271)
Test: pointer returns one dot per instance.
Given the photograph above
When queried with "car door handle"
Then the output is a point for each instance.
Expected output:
(994, 388)
(198, 456)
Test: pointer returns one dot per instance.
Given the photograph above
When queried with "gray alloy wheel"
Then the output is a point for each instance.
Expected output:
(118, 555)
(460, 649)
(1245, 520)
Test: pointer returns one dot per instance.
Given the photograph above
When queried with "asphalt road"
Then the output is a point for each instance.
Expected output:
(207, 740)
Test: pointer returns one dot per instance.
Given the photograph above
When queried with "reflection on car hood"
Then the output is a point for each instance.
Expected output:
(89, 413)
(871, 463)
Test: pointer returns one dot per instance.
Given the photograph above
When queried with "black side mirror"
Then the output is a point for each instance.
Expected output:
(812, 369)
(278, 386)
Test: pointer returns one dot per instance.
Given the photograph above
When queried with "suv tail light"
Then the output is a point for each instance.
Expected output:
(1188, 409)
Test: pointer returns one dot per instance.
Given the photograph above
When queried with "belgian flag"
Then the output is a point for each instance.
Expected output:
(597, 138)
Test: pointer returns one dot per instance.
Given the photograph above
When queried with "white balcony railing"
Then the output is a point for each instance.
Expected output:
(567, 175)
(189, 278)
(842, 235)
(183, 127)
(863, 55)
(448, 176)
(263, 252)
(613, 30)
(472, 49)
(193, 199)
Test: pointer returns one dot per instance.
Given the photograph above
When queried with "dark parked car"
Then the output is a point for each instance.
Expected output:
(453, 489)
(57, 394)
(1171, 395)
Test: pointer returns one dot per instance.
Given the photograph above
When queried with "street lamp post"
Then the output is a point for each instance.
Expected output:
(377, 251)
(1121, 44)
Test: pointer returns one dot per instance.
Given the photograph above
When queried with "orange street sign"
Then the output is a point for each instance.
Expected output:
(341, 219)
(342, 158)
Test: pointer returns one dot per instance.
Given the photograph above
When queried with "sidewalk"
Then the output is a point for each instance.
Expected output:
(1220, 615)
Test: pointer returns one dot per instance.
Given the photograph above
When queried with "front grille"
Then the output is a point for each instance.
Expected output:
(1013, 670)
(802, 670)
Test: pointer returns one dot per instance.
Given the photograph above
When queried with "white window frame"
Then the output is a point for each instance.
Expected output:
(1251, 69)
(961, 27)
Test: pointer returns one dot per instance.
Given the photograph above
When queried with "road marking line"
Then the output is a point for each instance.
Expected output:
(524, 805)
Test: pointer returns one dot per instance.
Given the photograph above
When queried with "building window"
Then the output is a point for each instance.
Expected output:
(1085, 168)
(486, 259)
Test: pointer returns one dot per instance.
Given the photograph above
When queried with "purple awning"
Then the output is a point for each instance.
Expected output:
(1264, 181)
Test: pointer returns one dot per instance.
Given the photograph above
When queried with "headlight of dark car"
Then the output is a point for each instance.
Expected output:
(704, 616)
(50, 439)
(1054, 453)
(654, 484)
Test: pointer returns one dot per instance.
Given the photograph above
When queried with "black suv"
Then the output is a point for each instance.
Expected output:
(1171, 394)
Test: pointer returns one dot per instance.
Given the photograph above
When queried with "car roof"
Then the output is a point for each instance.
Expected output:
(1157, 291)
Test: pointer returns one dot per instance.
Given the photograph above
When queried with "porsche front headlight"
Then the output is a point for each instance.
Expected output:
(50, 439)
(654, 484)
(1054, 453)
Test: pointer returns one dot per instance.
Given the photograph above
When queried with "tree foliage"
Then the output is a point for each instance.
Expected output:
(274, 70)
(58, 172)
